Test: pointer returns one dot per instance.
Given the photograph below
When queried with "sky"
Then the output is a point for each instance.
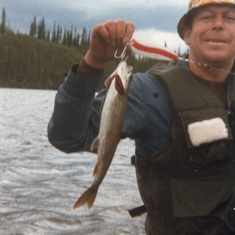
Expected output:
(155, 19)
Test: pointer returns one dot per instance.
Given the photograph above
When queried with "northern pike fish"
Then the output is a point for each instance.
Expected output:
(112, 116)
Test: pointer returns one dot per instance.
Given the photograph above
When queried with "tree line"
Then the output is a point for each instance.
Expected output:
(69, 37)
(41, 58)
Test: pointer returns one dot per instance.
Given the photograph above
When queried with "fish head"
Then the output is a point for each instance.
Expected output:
(121, 77)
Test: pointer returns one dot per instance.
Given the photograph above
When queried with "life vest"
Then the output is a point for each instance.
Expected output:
(189, 178)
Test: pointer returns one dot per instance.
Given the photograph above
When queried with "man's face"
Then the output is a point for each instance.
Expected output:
(212, 35)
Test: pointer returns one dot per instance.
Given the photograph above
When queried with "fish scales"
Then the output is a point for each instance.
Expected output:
(112, 116)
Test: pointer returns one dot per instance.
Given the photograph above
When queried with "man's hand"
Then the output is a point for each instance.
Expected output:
(106, 38)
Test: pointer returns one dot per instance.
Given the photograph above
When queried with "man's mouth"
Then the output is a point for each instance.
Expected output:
(216, 40)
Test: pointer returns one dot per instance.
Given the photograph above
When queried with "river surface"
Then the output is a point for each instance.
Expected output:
(39, 184)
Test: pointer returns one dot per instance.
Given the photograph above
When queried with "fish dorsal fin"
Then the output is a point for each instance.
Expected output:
(95, 145)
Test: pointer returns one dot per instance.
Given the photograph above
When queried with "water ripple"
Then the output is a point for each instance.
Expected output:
(40, 184)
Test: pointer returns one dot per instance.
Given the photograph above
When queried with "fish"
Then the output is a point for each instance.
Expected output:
(112, 117)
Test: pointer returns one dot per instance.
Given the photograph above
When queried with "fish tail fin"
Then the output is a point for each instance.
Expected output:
(87, 197)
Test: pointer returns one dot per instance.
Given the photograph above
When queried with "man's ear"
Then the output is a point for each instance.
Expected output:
(187, 35)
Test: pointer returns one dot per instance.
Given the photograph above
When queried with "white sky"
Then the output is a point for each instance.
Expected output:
(153, 18)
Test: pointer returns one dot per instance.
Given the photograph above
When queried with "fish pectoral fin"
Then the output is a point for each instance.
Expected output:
(95, 145)
(109, 79)
(88, 197)
(119, 85)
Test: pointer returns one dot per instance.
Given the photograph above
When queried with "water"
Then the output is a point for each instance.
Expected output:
(39, 184)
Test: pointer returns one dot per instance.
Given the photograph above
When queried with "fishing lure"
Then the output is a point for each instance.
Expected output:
(150, 50)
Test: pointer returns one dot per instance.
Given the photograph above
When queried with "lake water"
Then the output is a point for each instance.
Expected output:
(39, 184)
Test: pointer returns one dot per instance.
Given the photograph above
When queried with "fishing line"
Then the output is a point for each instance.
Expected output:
(211, 68)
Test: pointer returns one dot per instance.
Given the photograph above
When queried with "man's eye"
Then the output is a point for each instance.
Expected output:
(205, 17)
(231, 17)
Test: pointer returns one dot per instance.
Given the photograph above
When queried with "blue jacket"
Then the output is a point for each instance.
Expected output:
(75, 120)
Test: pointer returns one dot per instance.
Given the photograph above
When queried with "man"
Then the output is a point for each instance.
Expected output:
(182, 121)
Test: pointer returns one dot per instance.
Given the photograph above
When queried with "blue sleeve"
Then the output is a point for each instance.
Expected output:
(75, 118)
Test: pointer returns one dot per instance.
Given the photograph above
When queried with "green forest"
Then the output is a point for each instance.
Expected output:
(41, 58)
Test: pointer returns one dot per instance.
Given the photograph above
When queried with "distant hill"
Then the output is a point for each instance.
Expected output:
(26, 62)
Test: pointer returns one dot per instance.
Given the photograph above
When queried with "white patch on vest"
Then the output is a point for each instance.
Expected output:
(207, 131)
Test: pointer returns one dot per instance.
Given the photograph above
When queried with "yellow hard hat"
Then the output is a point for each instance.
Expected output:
(194, 4)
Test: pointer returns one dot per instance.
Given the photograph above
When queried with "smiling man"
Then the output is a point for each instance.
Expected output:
(182, 121)
(210, 35)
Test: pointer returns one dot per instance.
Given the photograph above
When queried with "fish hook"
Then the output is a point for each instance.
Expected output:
(122, 56)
